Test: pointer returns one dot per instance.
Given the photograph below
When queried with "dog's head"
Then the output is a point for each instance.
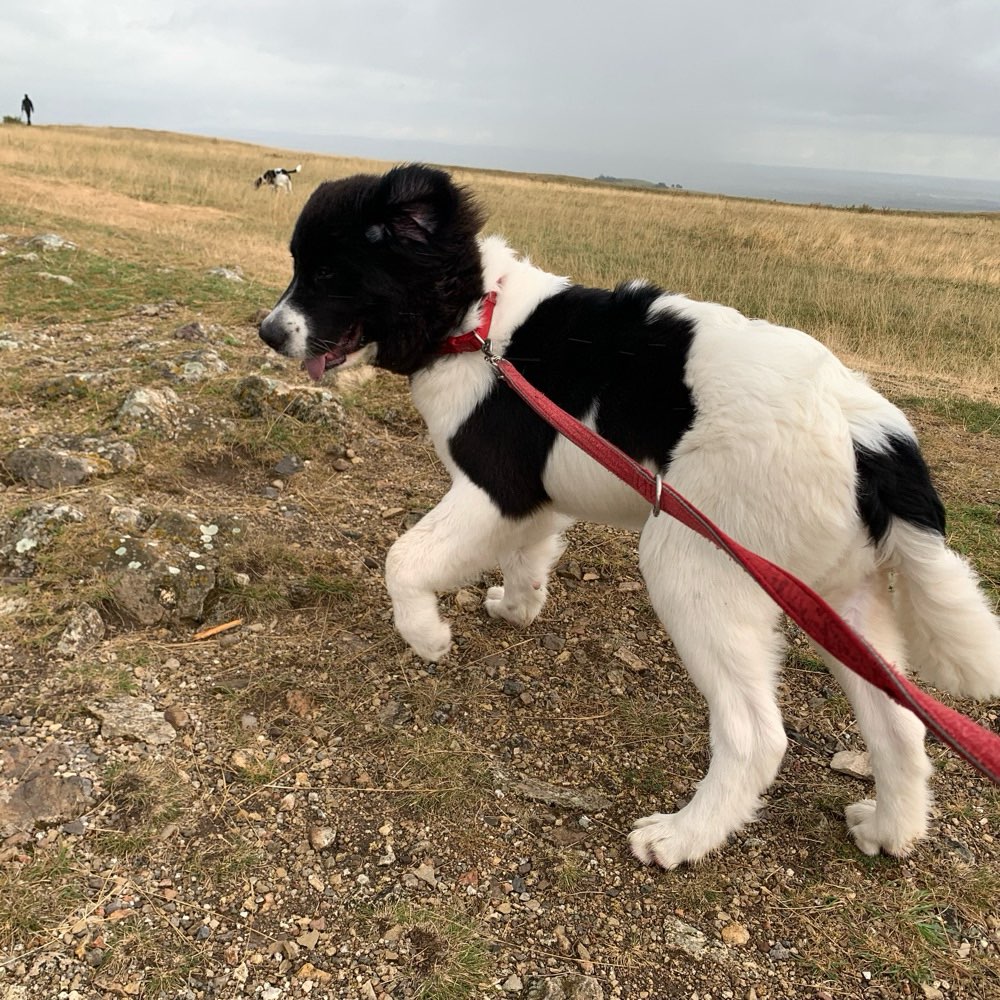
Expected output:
(385, 269)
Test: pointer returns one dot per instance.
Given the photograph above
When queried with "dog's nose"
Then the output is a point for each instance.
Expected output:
(272, 332)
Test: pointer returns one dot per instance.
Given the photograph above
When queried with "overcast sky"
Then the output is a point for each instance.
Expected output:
(591, 86)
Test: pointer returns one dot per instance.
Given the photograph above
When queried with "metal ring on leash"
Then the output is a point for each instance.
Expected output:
(656, 497)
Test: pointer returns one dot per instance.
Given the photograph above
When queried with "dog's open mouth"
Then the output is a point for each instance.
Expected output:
(337, 355)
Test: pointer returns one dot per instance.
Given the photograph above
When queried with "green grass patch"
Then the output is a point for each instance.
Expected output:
(105, 287)
(443, 955)
(974, 530)
(974, 415)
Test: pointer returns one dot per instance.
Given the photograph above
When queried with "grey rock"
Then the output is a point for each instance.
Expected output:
(191, 331)
(288, 465)
(49, 241)
(132, 718)
(569, 987)
(228, 273)
(162, 412)
(23, 538)
(104, 451)
(33, 794)
(587, 800)
(83, 632)
(854, 763)
(679, 936)
(169, 573)
(257, 395)
(64, 279)
(72, 385)
(128, 518)
(194, 366)
(48, 468)
(150, 409)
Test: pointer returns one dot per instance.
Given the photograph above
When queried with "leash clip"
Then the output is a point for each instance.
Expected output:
(487, 349)
(656, 498)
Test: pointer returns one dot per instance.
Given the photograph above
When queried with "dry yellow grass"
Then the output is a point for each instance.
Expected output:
(911, 294)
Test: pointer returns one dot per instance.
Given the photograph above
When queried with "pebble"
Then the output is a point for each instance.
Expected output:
(854, 763)
(735, 935)
(321, 837)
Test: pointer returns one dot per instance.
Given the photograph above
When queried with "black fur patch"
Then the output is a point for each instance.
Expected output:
(580, 347)
(896, 482)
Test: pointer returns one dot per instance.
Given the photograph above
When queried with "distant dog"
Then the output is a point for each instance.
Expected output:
(278, 177)
(761, 426)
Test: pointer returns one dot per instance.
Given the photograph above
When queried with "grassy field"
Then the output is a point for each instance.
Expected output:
(195, 865)
(904, 293)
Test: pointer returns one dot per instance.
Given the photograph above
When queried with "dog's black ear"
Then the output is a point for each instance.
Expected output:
(416, 202)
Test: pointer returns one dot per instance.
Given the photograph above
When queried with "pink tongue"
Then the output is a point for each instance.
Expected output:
(316, 367)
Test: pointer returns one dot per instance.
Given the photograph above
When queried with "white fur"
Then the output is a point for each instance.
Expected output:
(760, 392)
(293, 324)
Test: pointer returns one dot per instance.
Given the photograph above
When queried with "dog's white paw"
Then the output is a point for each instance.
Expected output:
(874, 835)
(430, 640)
(667, 840)
(497, 606)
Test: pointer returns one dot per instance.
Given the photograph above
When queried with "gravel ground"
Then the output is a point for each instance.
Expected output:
(296, 806)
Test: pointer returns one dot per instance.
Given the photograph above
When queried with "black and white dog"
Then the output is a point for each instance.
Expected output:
(760, 426)
(280, 178)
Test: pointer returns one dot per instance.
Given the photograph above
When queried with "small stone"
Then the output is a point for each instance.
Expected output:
(177, 717)
(425, 872)
(466, 599)
(854, 763)
(191, 331)
(780, 953)
(513, 984)
(633, 662)
(134, 719)
(309, 939)
(321, 837)
(735, 935)
(288, 465)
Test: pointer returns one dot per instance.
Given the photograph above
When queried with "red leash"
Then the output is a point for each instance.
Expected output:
(979, 746)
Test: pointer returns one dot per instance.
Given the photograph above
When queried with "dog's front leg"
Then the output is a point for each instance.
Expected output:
(462, 536)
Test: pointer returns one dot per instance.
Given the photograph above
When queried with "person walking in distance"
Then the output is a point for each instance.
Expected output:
(27, 107)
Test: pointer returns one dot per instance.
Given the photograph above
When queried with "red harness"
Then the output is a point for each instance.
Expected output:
(979, 746)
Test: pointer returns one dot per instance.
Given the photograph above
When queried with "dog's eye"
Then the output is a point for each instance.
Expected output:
(323, 274)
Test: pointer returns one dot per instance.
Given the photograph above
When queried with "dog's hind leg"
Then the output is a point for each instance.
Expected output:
(724, 629)
(526, 569)
(461, 537)
(897, 818)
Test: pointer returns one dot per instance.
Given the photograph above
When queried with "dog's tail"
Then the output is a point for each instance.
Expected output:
(952, 636)
(293, 171)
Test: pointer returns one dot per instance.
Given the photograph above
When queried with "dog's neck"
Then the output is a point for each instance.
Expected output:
(520, 287)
